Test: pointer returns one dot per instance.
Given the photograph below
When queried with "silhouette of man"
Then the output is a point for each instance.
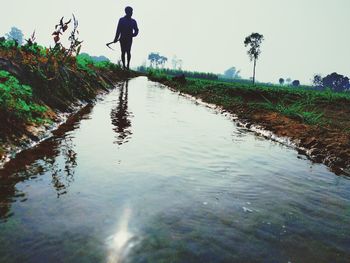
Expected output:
(126, 31)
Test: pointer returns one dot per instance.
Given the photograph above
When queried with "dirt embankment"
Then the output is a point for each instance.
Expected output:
(328, 143)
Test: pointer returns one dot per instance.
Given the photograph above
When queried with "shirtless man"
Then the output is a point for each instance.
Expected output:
(126, 31)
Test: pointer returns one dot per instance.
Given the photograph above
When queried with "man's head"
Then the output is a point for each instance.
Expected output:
(128, 11)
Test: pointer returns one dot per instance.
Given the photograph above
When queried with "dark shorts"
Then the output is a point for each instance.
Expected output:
(125, 45)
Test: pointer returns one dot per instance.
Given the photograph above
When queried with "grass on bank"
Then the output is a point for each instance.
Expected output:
(86, 63)
(175, 72)
(43, 78)
(302, 103)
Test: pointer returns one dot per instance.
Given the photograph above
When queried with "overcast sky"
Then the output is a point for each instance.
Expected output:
(302, 37)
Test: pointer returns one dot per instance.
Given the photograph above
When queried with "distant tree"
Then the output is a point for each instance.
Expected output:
(15, 34)
(288, 81)
(157, 60)
(153, 58)
(175, 62)
(317, 81)
(232, 73)
(254, 41)
(180, 63)
(336, 82)
(281, 81)
(296, 83)
(162, 60)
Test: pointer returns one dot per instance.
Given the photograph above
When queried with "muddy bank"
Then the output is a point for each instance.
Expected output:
(328, 143)
(320, 144)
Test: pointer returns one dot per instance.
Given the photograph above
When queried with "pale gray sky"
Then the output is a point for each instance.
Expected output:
(303, 37)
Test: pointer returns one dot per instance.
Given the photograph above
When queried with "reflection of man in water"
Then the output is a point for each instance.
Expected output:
(121, 116)
(127, 29)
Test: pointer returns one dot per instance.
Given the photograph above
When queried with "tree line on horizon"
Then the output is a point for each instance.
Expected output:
(333, 81)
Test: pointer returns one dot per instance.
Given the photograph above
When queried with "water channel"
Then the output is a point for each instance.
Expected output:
(148, 175)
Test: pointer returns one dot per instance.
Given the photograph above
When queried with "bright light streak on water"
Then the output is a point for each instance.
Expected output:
(121, 241)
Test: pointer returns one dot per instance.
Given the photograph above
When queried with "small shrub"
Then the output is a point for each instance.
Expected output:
(8, 44)
(16, 99)
(85, 63)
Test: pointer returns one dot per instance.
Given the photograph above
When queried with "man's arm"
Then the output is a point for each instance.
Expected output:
(117, 34)
(136, 29)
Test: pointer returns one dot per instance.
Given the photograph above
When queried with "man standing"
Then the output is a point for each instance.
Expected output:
(127, 29)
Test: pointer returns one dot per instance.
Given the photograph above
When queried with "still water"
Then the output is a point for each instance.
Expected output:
(147, 175)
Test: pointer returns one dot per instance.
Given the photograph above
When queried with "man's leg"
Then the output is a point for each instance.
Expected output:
(123, 48)
(128, 45)
(123, 59)
(129, 58)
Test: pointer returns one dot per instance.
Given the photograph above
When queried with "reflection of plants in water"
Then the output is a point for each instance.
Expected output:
(55, 157)
(121, 116)
(26, 168)
(61, 179)
(48, 162)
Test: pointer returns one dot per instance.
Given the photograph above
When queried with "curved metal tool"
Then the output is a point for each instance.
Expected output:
(110, 43)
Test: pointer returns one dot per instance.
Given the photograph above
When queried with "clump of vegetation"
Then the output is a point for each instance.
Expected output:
(84, 62)
(89, 65)
(16, 100)
(177, 72)
(157, 74)
(335, 82)
(300, 110)
(8, 44)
